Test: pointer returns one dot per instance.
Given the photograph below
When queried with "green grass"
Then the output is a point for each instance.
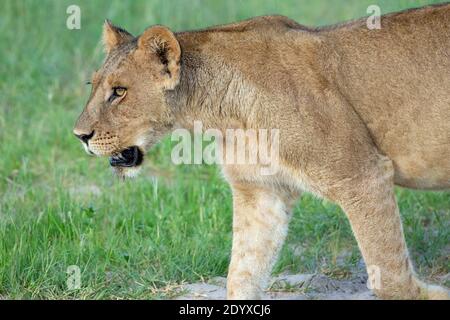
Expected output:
(138, 239)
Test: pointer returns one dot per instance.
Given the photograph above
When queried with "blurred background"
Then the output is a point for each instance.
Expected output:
(142, 238)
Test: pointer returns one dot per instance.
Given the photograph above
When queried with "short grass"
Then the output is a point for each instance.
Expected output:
(139, 239)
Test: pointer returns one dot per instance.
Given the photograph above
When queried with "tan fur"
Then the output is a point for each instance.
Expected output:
(358, 110)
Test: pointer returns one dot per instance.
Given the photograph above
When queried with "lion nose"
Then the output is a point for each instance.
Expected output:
(84, 137)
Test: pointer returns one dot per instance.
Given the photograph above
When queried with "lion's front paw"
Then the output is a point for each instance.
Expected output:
(413, 290)
(433, 292)
(243, 289)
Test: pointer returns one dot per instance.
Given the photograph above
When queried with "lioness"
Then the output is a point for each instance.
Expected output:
(358, 111)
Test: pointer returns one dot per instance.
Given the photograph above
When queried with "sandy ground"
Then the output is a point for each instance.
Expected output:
(289, 287)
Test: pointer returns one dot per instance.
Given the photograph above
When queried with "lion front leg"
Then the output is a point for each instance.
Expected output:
(260, 223)
(375, 220)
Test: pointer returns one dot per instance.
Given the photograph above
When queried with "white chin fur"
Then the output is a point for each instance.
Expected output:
(128, 172)
(85, 147)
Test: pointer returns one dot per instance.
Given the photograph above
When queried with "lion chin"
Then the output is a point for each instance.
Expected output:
(126, 172)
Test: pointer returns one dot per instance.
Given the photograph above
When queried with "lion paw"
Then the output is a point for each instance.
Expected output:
(433, 292)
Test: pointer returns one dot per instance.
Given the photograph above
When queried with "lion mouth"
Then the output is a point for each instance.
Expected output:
(130, 157)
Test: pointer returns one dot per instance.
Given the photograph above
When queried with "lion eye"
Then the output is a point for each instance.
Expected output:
(119, 91)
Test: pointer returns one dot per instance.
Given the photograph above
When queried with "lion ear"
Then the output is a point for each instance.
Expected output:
(114, 36)
(161, 42)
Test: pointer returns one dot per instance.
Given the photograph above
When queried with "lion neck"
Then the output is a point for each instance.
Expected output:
(210, 90)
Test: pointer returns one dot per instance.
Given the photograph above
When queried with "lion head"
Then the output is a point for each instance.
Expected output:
(127, 111)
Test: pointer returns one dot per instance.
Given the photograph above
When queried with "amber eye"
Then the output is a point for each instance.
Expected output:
(119, 91)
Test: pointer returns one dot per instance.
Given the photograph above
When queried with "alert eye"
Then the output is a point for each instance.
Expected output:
(117, 92)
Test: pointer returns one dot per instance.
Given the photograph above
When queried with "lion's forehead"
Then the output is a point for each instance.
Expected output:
(119, 56)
